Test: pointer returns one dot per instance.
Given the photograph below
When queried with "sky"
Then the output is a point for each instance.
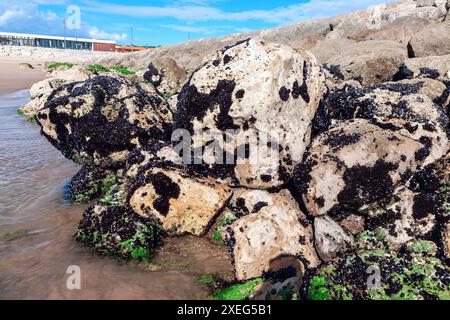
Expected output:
(162, 22)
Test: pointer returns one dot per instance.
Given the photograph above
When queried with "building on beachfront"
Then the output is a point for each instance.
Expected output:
(34, 40)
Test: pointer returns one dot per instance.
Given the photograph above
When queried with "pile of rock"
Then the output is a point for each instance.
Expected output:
(351, 164)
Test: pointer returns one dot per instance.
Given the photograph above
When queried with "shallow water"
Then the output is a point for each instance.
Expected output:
(37, 225)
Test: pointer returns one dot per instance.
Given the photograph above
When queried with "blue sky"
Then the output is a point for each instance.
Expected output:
(165, 22)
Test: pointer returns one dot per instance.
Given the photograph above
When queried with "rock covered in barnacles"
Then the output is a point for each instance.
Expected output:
(39, 94)
(182, 203)
(266, 232)
(249, 110)
(330, 239)
(119, 231)
(358, 163)
(100, 120)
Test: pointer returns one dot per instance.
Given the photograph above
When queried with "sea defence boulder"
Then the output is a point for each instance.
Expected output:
(431, 41)
(39, 94)
(358, 163)
(260, 98)
(271, 225)
(101, 120)
(182, 203)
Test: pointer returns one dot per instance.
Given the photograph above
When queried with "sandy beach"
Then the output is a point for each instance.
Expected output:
(14, 77)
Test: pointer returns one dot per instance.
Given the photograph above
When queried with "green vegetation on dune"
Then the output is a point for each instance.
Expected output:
(121, 69)
(117, 68)
(57, 65)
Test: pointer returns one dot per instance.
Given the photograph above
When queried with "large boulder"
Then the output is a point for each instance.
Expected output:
(431, 41)
(101, 120)
(394, 105)
(358, 163)
(261, 97)
(271, 226)
(371, 62)
(39, 94)
(182, 204)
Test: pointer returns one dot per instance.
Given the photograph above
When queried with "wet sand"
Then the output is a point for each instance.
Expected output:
(37, 227)
(13, 77)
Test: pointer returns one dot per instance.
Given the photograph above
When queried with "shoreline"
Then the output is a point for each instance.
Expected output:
(14, 77)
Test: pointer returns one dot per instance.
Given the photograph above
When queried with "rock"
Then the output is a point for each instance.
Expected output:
(39, 94)
(275, 230)
(353, 224)
(331, 240)
(370, 62)
(380, 274)
(182, 203)
(409, 216)
(432, 41)
(117, 230)
(285, 278)
(89, 183)
(358, 163)
(324, 50)
(99, 121)
(434, 67)
(431, 88)
(165, 75)
(393, 106)
(425, 3)
(243, 89)
(445, 238)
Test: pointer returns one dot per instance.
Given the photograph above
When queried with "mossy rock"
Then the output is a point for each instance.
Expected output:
(119, 231)
(402, 276)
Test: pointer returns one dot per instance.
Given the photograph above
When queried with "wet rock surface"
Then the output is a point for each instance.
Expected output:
(182, 204)
(100, 121)
(278, 229)
(244, 88)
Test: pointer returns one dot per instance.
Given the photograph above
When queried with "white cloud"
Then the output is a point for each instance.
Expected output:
(198, 10)
(96, 33)
(26, 16)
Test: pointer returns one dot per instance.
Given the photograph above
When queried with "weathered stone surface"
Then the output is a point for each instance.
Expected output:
(403, 219)
(395, 106)
(330, 239)
(445, 238)
(183, 204)
(99, 121)
(358, 163)
(434, 67)
(431, 88)
(274, 230)
(244, 88)
(432, 41)
(286, 279)
(39, 94)
(165, 75)
(371, 62)
(353, 224)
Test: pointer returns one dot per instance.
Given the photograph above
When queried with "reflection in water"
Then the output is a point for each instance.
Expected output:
(37, 225)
